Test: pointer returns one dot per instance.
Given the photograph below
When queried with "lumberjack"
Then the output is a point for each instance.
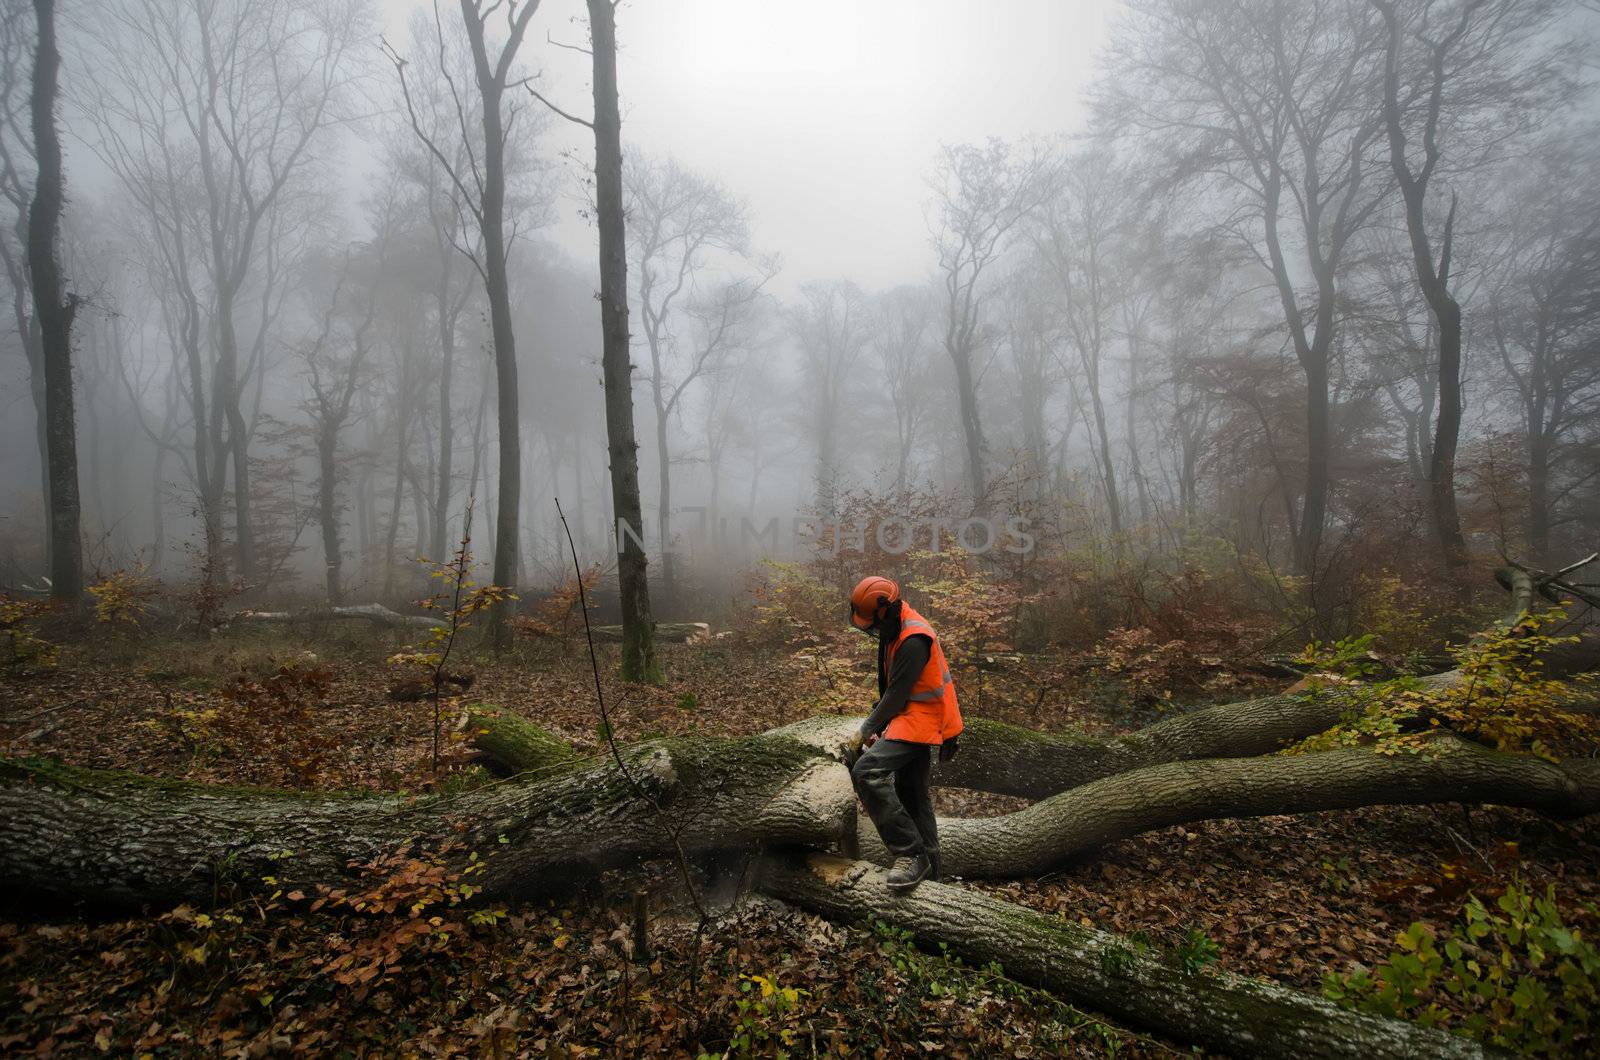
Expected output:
(889, 756)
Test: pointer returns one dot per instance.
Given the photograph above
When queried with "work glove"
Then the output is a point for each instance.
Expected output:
(850, 750)
(948, 749)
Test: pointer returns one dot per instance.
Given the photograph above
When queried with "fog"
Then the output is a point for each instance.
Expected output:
(1141, 278)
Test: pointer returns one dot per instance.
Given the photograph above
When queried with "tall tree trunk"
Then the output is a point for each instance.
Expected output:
(1135, 464)
(475, 477)
(492, 207)
(158, 515)
(1319, 436)
(394, 507)
(664, 487)
(28, 337)
(1432, 277)
(1447, 433)
(638, 644)
(54, 309)
(327, 507)
(41, 413)
(1108, 462)
(509, 499)
(447, 350)
(971, 425)
(1538, 519)
(238, 439)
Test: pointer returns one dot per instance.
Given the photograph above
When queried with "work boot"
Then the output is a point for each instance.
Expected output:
(908, 872)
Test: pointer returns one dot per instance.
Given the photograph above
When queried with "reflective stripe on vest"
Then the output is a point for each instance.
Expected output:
(932, 714)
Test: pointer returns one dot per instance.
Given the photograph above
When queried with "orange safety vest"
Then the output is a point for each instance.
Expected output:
(931, 714)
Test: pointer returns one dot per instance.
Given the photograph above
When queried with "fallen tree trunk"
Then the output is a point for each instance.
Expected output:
(93, 835)
(1046, 835)
(1099, 971)
(515, 744)
(375, 614)
(120, 838)
(677, 632)
(1010, 760)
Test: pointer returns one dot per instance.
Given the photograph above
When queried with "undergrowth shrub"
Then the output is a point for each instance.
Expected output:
(1151, 668)
(1501, 699)
(20, 620)
(1511, 973)
(791, 607)
(974, 612)
(559, 617)
(122, 598)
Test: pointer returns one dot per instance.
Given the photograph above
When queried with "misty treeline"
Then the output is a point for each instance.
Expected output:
(1318, 290)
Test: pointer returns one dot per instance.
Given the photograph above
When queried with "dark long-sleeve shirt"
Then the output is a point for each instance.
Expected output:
(895, 687)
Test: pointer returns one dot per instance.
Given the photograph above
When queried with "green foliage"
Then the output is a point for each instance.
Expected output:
(1350, 658)
(1501, 699)
(1197, 950)
(766, 1014)
(1512, 973)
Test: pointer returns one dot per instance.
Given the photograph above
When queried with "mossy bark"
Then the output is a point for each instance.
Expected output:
(1098, 971)
(516, 744)
(1049, 833)
(1010, 760)
(121, 839)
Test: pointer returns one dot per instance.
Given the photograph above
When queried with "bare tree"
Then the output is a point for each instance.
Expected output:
(1544, 324)
(1078, 239)
(335, 366)
(209, 113)
(142, 372)
(677, 220)
(17, 23)
(980, 195)
(903, 342)
(831, 328)
(1275, 103)
(481, 184)
(54, 309)
(638, 624)
(1448, 66)
(442, 59)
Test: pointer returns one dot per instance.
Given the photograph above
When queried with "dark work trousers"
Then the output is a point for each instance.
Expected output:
(891, 777)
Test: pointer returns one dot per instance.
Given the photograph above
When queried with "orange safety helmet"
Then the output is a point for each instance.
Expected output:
(870, 594)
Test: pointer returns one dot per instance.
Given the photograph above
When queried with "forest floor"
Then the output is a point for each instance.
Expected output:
(1284, 898)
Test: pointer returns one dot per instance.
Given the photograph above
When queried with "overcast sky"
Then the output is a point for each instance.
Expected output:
(825, 115)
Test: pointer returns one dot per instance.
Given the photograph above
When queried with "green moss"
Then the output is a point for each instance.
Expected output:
(521, 745)
(52, 772)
